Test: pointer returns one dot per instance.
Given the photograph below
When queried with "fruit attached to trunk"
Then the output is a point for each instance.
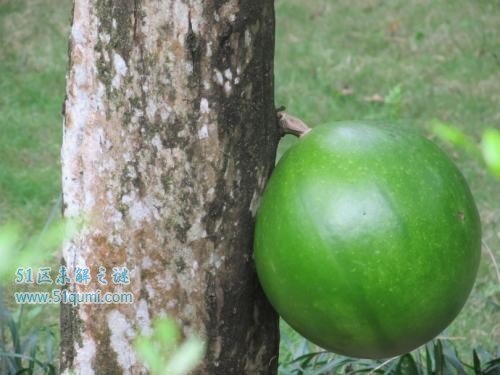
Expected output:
(367, 239)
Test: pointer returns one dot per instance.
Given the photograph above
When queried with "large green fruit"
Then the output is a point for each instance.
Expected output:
(367, 239)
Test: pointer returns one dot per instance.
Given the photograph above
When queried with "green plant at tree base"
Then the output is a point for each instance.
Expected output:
(34, 352)
(28, 354)
(17, 251)
(163, 353)
(437, 357)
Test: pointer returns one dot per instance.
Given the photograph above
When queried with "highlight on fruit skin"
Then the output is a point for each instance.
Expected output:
(367, 239)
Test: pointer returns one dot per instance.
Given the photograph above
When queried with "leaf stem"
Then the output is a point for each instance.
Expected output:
(292, 125)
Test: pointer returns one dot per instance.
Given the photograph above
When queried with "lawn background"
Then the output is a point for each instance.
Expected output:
(409, 62)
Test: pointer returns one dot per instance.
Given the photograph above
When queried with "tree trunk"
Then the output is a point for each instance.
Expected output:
(170, 134)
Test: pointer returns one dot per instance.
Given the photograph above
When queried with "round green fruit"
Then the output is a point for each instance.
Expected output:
(367, 239)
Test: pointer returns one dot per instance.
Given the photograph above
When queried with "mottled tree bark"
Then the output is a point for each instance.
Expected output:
(170, 134)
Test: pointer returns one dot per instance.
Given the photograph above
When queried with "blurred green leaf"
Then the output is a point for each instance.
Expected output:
(149, 354)
(456, 137)
(492, 367)
(452, 359)
(393, 102)
(165, 332)
(490, 147)
(186, 357)
(483, 354)
(439, 357)
(429, 359)
(477, 363)
(16, 251)
(406, 366)
(419, 36)
(161, 352)
(394, 96)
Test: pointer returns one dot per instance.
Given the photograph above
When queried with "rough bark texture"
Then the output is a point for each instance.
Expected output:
(170, 134)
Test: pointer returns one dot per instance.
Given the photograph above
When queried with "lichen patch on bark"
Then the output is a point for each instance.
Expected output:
(85, 356)
(121, 335)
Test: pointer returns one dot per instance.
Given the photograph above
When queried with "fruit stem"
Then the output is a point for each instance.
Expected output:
(292, 125)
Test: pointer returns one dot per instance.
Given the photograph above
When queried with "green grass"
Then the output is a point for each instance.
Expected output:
(33, 59)
(429, 60)
(32, 70)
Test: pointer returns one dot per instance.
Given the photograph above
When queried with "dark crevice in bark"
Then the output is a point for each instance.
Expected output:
(69, 333)
(238, 325)
(105, 360)
(123, 13)
(137, 17)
